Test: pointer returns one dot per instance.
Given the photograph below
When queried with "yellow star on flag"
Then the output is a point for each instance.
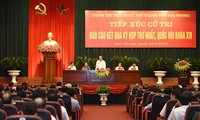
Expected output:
(62, 9)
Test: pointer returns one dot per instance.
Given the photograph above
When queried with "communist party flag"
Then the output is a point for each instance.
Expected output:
(56, 16)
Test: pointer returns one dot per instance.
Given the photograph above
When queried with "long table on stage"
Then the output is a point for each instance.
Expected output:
(115, 77)
(118, 82)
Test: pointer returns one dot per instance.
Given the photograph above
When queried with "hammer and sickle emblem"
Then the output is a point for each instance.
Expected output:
(39, 10)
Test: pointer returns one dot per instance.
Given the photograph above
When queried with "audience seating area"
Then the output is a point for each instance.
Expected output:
(142, 103)
(19, 95)
(139, 99)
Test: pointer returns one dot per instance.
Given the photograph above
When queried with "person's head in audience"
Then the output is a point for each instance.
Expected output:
(175, 93)
(25, 85)
(6, 89)
(175, 87)
(33, 86)
(58, 83)
(184, 98)
(74, 85)
(10, 84)
(1, 104)
(65, 89)
(39, 93)
(6, 98)
(1, 87)
(145, 86)
(196, 97)
(168, 91)
(42, 85)
(52, 96)
(72, 93)
(21, 94)
(154, 88)
(18, 88)
(29, 108)
(69, 85)
(40, 102)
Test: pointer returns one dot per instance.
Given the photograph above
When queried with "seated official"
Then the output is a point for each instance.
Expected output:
(86, 67)
(71, 66)
(133, 67)
(100, 64)
(119, 67)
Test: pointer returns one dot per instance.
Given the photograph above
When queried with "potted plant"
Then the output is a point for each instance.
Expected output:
(14, 65)
(182, 67)
(103, 91)
(195, 69)
(125, 60)
(80, 61)
(159, 65)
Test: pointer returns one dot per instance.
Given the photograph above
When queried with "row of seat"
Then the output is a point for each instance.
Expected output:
(136, 108)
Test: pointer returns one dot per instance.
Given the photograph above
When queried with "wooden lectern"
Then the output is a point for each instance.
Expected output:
(49, 67)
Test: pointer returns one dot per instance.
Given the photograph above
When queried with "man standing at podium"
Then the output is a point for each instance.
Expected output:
(100, 64)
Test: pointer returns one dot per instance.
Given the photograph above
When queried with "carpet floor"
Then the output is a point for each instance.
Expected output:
(109, 112)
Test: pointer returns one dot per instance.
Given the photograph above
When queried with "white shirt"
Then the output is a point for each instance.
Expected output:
(75, 104)
(52, 117)
(149, 106)
(65, 115)
(100, 65)
(71, 67)
(119, 68)
(136, 68)
(178, 113)
(163, 111)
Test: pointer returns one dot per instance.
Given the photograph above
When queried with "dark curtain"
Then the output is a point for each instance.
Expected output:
(13, 30)
(143, 54)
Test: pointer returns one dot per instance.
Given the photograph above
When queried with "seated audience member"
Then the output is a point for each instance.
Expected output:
(154, 89)
(11, 86)
(167, 91)
(41, 103)
(19, 87)
(174, 95)
(42, 86)
(74, 101)
(29, 108)
(183, 102)
(1, 104)
(6, 98)
(58, 86)
(1, 89)
(39, 93)
(25, 86)
(86, 67)
(133, 67)
(21, 94)
(145, 86)
(119, 67)
(71, 66)
(69, 85)
(52, 96)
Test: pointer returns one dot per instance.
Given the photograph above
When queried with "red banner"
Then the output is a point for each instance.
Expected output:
(56, 16)
(140, 29)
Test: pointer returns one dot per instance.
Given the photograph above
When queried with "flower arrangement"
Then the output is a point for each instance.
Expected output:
(101, 74)
(182, 65)
(49, 48)
(103, 89)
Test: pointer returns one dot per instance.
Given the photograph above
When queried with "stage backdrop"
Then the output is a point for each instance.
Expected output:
(59, 20)
(140, 29)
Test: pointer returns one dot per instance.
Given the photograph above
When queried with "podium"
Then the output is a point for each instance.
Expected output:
(49, 67)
